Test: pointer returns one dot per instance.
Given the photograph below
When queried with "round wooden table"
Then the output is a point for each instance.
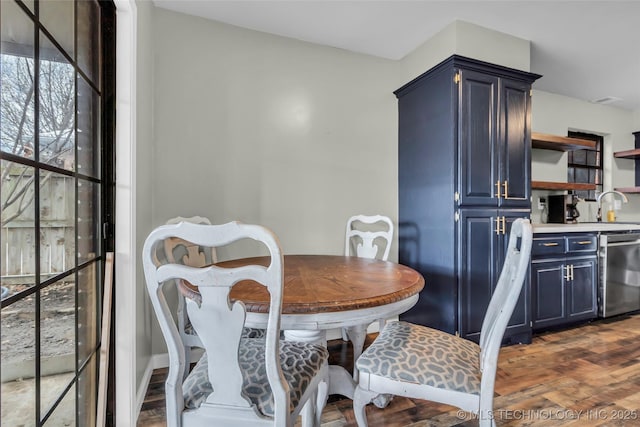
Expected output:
(323, 292)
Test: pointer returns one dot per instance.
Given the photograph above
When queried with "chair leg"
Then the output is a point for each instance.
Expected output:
(312, 410)
(344, 334)
(361, 398)
(486, 421)
(381, 323)
(309, 416)
(321, 397)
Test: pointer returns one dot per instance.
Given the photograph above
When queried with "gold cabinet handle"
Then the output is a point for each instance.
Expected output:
(498, 189)
(504, 224)
(550, 244)
(571, 271)
(506, 190)
(584, 242)
(498, 226)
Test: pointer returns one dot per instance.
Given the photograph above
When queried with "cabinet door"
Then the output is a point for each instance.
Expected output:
(478, 247)
(483, 237)
(548, 293)
(581, 290)
(478, 158)
(514, 144)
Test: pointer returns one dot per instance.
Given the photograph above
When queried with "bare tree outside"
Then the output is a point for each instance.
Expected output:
(17, 126)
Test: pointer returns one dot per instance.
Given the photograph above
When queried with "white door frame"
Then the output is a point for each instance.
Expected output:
(126, 259)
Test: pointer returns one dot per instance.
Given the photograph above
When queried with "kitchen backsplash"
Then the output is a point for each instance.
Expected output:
(630, 212)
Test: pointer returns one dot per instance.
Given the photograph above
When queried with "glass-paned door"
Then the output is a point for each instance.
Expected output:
(55, 162)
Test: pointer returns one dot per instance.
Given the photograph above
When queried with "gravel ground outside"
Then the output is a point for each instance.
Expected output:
(17, 332)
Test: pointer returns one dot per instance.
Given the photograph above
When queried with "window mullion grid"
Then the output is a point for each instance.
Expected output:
(76, 67)
(36, 215)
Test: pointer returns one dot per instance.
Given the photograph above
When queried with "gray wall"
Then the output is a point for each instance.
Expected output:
(270, 130)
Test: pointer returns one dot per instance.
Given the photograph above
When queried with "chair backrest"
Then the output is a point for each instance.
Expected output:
(217, 321)
(504, 299)
(366, 240)
(178, 251)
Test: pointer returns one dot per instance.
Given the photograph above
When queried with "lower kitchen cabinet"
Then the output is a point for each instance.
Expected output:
(484, 237)
(582, 289)
(563, 279)
(548, 293)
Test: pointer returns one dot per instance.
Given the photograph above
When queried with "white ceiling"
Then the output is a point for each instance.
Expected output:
(584, 49)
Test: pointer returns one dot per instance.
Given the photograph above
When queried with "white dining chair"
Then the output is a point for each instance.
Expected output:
(366, 236)
(369, 236)
(238, 381)
(424, 363)
(181, 252)
(178, 251)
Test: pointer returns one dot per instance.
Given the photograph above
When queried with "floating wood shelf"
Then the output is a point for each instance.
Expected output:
(635, 155)
(548, 185)
(628, 154)
(559, 143)
(628, 189)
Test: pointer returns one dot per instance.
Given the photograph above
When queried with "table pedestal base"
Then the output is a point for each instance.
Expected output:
(340, 381)
(357, 335)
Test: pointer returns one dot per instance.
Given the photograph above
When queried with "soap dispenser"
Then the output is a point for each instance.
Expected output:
(611, 214)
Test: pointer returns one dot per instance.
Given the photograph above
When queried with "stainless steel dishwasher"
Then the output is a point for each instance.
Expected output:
(619, 260)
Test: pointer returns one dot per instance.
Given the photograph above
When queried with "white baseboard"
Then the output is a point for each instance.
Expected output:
(156, 361)
(144, 385)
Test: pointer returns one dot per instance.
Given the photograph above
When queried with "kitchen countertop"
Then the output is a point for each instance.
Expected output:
(585, 227)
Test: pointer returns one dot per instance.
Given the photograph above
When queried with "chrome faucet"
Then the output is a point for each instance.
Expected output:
(599, 201)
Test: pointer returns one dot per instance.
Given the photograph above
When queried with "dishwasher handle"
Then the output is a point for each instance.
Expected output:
(611, 240)
(625, 243)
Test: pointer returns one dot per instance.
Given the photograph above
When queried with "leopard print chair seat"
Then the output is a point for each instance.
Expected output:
(420, 355)
(423, 363)
(300, 363)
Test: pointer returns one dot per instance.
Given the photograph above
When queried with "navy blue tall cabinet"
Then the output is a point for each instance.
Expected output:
(464, 177)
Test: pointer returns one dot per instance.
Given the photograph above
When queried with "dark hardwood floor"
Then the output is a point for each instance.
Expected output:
(583, 376)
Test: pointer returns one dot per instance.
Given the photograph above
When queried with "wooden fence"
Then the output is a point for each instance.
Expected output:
(57, 234)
